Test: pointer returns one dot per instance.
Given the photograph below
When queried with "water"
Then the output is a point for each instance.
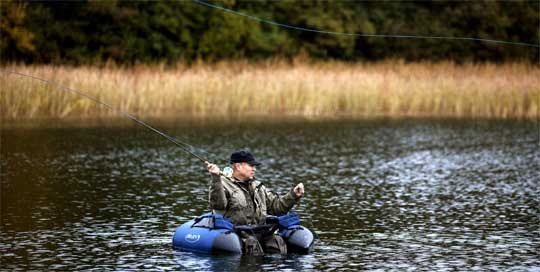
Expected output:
(381, 194)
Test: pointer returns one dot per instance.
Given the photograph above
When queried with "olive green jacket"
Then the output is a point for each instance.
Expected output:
(232, 199)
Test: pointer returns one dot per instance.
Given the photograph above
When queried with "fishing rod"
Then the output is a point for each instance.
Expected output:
(184, 146)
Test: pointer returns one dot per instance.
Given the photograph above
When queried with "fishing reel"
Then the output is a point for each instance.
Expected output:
(227, 172)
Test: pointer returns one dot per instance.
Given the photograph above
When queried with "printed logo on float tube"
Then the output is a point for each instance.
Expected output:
(192, 238)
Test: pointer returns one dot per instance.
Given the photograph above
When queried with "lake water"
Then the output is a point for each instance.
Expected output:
(433, 195)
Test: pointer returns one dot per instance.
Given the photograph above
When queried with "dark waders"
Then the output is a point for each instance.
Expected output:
(261, 239)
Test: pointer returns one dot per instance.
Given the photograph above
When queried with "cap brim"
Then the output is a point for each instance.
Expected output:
(254, 163)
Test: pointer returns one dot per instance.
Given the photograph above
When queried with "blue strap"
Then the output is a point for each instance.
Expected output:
(288, 220)
(221, 222)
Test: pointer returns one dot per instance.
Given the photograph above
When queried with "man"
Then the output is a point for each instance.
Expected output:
(246, 201)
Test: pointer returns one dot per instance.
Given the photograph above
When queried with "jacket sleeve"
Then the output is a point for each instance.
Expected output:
(217, 195)
(276, 205)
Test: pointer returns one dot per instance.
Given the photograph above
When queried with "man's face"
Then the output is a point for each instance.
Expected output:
(243, 171)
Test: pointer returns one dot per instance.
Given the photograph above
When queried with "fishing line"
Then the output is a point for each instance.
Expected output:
(184, 146)
(270, 22)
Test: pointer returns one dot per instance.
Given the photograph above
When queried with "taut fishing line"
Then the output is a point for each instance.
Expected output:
(321, 31)
(184, 146)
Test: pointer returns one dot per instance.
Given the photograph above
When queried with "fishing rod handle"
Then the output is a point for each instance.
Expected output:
(220, 172)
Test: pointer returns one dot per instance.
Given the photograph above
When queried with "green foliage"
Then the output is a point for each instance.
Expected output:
(128, 32)
(15, 39)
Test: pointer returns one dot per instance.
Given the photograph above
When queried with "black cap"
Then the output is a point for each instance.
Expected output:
(243, 156)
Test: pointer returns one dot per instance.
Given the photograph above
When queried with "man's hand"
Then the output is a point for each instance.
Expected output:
(213, 169)
(299, 190)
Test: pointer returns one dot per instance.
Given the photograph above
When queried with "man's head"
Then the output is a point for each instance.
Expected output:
(243, 165)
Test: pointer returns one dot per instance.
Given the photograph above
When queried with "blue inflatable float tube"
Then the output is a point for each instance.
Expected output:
(213, 233)
(208, 233)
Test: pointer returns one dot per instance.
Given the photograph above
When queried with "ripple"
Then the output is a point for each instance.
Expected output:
(380, 195)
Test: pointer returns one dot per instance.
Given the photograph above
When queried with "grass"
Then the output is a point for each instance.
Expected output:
(277, 89)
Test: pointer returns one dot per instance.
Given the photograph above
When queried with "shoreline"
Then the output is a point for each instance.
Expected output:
(169, 122)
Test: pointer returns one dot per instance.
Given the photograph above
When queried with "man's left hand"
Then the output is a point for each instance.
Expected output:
(299, 190)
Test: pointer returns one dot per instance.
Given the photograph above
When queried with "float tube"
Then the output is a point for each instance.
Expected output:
(214, 233)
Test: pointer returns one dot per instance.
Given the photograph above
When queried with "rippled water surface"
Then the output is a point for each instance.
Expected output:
(381, 194)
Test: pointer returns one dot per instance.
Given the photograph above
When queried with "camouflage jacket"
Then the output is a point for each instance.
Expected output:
(247, 205)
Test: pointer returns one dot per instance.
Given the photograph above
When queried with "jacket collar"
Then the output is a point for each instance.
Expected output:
(253, 183)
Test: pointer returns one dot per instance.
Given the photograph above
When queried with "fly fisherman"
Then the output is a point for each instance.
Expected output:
(246, 201)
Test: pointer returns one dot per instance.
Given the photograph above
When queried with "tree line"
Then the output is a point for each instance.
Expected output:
(129, 32)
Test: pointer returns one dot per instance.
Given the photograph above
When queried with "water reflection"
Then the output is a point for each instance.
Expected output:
(381, 195)
(189, 261)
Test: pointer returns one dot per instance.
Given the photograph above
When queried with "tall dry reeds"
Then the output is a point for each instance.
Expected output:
(278, 89)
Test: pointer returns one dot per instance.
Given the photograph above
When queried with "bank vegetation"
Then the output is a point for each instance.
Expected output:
(276, 89)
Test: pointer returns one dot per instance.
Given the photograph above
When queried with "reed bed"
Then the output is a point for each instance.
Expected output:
(277, 89)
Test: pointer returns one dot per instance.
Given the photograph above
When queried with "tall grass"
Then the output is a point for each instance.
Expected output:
(278, 89)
